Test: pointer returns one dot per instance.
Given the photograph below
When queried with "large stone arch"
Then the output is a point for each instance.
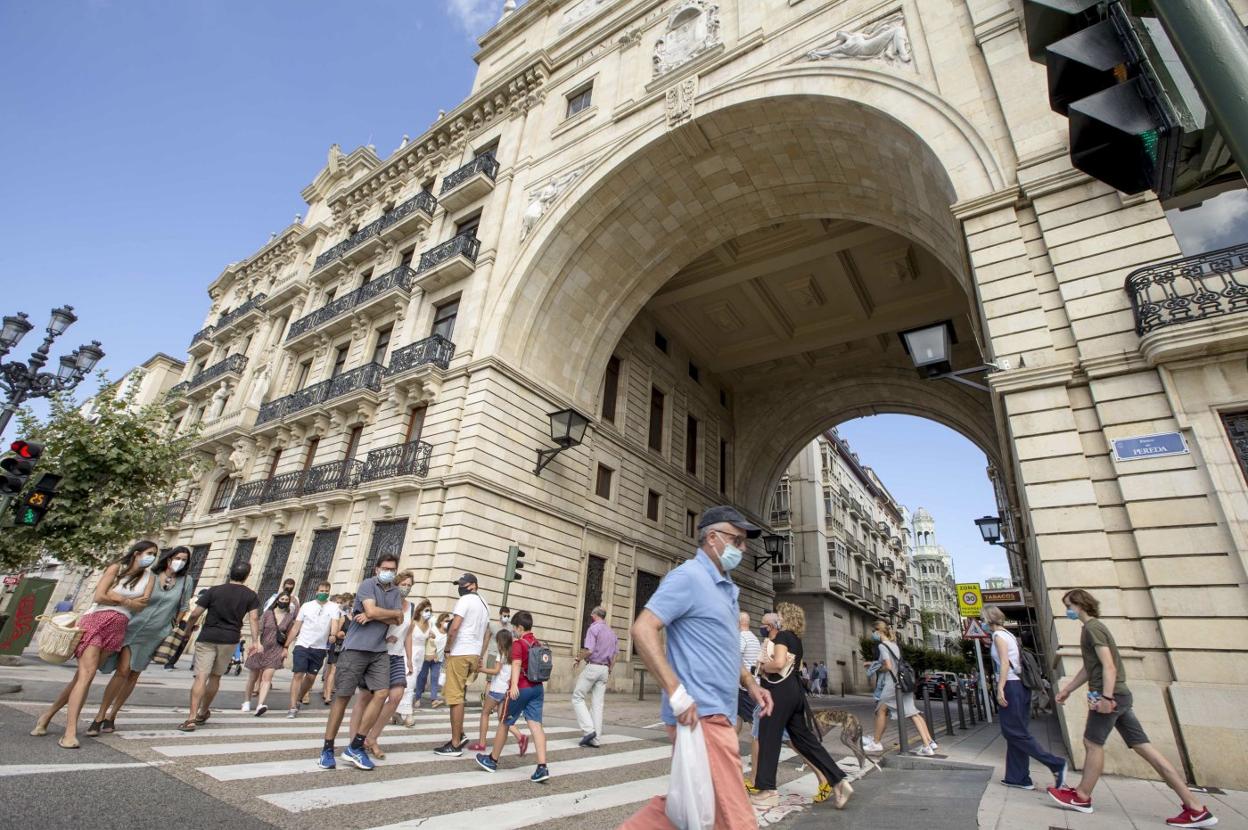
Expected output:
(783, 145)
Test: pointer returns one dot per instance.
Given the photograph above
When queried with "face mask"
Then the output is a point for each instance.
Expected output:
(385, 577)
(1072, 614)
(463, 590)
(730, 557)
(426, 615)
(762, 631)
(504, 619)
(147, 560)
(177, 565)
(322, 597)
(283, 605)
(406, 592)
(875, 635)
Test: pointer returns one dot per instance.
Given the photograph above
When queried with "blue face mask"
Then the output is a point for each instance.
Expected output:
(875, 635)
(1072, 613)
(730, 557)
(385, 577)
(762, 631)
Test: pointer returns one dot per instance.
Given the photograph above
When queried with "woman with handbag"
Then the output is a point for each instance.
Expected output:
(123, 590)
(172, 593)
(274, 626)
(780, 677)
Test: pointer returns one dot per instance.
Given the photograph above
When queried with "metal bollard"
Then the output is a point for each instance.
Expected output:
(944, 693)
(902, 747)
(927, 705)
(961, 712)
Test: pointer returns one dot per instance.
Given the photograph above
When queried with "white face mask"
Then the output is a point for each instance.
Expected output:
(426, 615)
(177, 565)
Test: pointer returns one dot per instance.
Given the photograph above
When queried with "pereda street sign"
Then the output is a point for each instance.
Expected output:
(1149, 446)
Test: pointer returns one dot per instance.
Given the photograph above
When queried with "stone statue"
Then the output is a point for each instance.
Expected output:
(544, 198)
(259, 387)
(218, 403)
(886, 40)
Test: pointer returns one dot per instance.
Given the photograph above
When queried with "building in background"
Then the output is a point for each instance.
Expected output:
(996, 583)
(846, 555)
(938, 597)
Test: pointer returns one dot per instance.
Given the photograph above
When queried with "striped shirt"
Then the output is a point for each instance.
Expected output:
(750, 649)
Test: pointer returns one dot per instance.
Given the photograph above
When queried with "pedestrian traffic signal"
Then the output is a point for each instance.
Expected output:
(17, 465)
(514, 555)
(30, 510)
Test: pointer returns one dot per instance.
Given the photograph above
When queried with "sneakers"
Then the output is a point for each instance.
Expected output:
(1069, 798)
(934, 746)
(477, 747)
(524, 744)
(246, 707)
(588, 740)
(327, 760)
(291, 713)
(261, 709)
(1011, 784)
(359, 757)
(1193, 818)
(486, 762)
(1059, 776)
(871, 746)
(926, 751)
(540, 774)
(449, 750)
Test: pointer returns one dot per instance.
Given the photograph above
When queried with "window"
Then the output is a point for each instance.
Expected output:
(691, 445)
(723, 398)
(610, 389)
(656, 419)
(382, 345)
(340, 359)
(653, 504)
(329, 295)
(366, 277)
(444, 319)
(660, 341)
(647, 584)
(691, 523)
(246, 344)
(415, 424)
(602, 482)
(580, 99)
(405, 258)
(723, 466)
(221, 495)
(694, 373)
(427, 185)
(353, 442)
(277, 457)
(468, 227)
(780, 504)
(310, 454)
(490, 149)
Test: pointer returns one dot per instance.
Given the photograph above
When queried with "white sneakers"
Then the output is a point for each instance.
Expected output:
(246, 707)
(869, 745)
(934, 746)
(926, 751)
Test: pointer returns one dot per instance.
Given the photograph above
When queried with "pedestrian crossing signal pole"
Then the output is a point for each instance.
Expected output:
(514, 566)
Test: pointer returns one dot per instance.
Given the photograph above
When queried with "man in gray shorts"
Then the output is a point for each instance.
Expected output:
(1109, 708)
(364, 662)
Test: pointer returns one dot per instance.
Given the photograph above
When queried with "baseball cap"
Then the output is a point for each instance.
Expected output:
(465, 579)
(731, 515)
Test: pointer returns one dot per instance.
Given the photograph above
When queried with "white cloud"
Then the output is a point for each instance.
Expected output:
(1218, 223)
(474, 16)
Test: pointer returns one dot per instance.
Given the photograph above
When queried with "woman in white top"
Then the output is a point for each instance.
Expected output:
(421, 631)
(399, 647)
(439, 646)
(122, 591)
(1014, 710)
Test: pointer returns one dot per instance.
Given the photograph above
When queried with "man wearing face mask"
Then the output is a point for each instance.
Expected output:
(466, 643)
(315, 625)
(696, 604)
(364, 662)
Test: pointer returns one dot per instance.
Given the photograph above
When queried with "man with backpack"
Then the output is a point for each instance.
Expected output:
(531, 663)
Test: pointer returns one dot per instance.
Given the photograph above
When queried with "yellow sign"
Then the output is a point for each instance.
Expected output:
(970, 602)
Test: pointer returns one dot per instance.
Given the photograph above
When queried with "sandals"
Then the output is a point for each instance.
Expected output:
(93, 731)
(825, 792)
(201, 718)
(843, 792)
(40, 730)
(61, 743)
(187, 726)
(107, 727)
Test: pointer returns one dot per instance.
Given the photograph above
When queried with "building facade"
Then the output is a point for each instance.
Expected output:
(938, 597)
(846, 556)
(996, 583)
(703, 226)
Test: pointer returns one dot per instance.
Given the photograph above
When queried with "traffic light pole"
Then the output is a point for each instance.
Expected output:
(1213, 46)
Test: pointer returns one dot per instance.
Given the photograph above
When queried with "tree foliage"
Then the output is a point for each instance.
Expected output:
(119, 465)
(921, 659)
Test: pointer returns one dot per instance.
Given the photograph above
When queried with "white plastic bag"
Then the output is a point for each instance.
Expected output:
(691, 795)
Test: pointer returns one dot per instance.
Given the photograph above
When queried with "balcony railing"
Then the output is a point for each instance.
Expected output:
(174, 511)
(233, 363)
(1192, 288)
(422, 201)
(249, 494)
(400, 277)
(336, 475)
(202, 334)
(410, 459)
(855, 588)
(484, 163)
(227, 320)
(465, 244)
(434, 349)
(367, 376)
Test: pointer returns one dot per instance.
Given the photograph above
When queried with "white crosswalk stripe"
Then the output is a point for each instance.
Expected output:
(391, 738)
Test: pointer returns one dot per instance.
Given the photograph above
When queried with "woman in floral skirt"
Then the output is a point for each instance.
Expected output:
(123, 590)
(263, 664)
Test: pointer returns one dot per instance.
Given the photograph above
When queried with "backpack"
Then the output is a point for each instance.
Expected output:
(541, 661)
(1029, 671)
(906, 679)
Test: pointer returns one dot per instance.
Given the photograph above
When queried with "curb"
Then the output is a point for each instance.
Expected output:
(919, 762)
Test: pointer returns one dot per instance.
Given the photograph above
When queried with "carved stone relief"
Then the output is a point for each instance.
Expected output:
(884, 40)
(692, 29)
(680, 100)
(542, 197)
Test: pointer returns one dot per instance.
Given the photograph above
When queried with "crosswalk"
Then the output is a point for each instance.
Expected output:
(267, 766)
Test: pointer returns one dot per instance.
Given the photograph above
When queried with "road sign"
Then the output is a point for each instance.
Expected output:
(970, 603)
(1149, 446)
(1005, 597)
(10, 581)
(974, 630)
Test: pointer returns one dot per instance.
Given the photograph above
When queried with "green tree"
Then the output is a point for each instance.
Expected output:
(119, 467)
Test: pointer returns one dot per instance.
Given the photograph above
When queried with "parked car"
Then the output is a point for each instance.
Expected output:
(936, 681)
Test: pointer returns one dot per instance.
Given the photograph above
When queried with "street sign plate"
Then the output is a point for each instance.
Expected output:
(1149, 446)
(1005, 597)
(974, 630)
(970, 603)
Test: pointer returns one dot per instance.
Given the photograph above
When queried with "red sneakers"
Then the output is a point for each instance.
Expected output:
(477, 747)
(1069, 798)
(524, 745)
(1193, 818)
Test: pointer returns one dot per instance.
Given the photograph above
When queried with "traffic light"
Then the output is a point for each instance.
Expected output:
(29, 510)
(17, 465)
(514, 565)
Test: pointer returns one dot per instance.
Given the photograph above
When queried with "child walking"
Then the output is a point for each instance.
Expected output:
(496, 696)
(525, 699)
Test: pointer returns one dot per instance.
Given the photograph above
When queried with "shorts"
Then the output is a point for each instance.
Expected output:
(398, 670)
(331, 655)
(307, 660)
(212, 658)
(1123, 719)
(497, 697)
(455, 672)
(745, 706)
(361, 670)
(527, 703)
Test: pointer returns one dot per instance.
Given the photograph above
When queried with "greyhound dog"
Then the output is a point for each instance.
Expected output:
(851, 732)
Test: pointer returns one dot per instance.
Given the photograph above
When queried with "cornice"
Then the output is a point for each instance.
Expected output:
(1038, 377)
(279, 250)
(1120, 363)
(337, 168)
(1007, 197)
(1195, 339)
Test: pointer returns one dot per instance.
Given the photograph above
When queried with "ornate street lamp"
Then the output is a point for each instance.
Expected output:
(23, 381)
(990, 529)
(567, 429)
(773, 543)
(931, 349)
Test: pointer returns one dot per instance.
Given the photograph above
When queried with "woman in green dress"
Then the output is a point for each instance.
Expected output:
(174, 591)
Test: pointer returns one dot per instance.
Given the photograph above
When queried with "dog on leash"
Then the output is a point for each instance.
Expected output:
(851, 732)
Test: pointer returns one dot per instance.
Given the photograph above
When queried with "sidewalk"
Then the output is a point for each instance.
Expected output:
(1120, 802)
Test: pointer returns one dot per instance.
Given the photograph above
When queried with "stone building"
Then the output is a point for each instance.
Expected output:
(703, 226)
(845, 558)
(938, 597)
(996, 583)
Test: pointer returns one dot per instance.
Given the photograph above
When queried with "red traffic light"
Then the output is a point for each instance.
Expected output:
(27, 449)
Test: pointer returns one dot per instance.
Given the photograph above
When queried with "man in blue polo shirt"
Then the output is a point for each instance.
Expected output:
(701, 671)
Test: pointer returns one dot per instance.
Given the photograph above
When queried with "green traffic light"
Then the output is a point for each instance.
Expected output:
(28, 517)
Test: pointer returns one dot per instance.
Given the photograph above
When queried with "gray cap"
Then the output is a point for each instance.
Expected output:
(466, 579)
(731, 515)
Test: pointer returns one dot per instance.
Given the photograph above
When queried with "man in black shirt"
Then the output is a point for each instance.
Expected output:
(224, 608)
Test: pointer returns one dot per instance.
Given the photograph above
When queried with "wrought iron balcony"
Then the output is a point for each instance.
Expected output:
(249, 494)
(416, 210)
(484, 164)
(226, 320)
(235, 363)
(369, 231)
(855, 588)
(201, 336)
(463, 244)
(894, 604)
(410, 459)
(1192, 288)
(367, 376)
(174, 511)
(434, 350)
(336, 475)
(398, 279)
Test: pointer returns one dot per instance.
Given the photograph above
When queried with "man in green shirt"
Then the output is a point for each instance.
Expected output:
(1109, 707)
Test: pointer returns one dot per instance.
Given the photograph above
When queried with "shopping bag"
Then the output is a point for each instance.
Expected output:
(169, 646)
(691, 795)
